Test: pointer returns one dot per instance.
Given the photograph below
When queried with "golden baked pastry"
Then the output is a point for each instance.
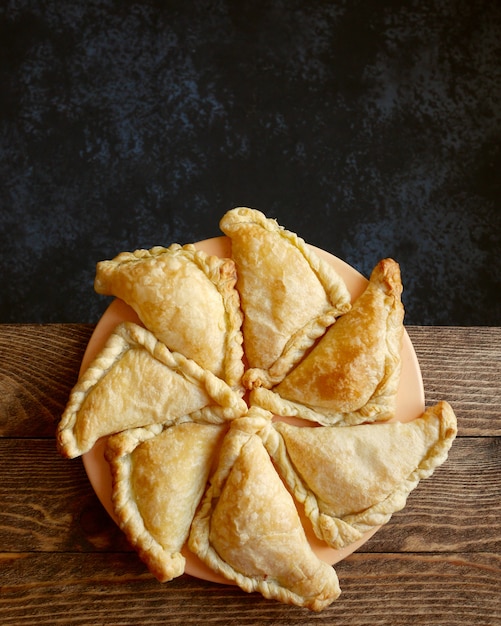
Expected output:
(159, 476)
(352, 373)
(289, 295)
(137, 381)
(248, 528)
(354, 478)
(181, 295)
(189, 459)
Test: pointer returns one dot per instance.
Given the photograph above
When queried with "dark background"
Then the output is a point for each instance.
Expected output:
(371, 129)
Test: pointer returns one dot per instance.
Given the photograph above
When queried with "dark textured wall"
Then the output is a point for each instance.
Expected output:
(370, 128)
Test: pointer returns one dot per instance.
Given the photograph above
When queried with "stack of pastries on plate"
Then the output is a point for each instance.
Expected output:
(195, 403)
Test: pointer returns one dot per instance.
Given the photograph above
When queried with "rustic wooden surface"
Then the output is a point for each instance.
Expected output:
(63, 561)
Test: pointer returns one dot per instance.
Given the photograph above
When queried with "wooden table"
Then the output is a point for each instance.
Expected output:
(63, 561)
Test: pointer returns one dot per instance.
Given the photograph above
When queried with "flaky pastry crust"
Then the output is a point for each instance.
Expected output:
(289, 295)
(137, 381)
(181, 295)
(189, 459)
(352, 374)
(353, 479)
(248, 528)
(159, 475)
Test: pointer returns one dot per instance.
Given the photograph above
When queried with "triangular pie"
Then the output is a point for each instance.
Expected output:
(248, 528)
(353, 372)
(137, 381)
(158, 477)
(354, 478)
(181, 295)
(289, 295)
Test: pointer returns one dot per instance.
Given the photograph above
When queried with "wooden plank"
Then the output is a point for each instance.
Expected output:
(38, 367)
(48, 503)
(431, 589)
(463, 366)
(427, 590)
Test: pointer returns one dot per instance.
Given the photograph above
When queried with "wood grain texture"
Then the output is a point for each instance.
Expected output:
(38, 367)
(48, 503)
(63, 561)
(463, 366)
(115, 589)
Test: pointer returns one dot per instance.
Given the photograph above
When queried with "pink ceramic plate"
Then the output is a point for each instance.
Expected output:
(410, 404)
